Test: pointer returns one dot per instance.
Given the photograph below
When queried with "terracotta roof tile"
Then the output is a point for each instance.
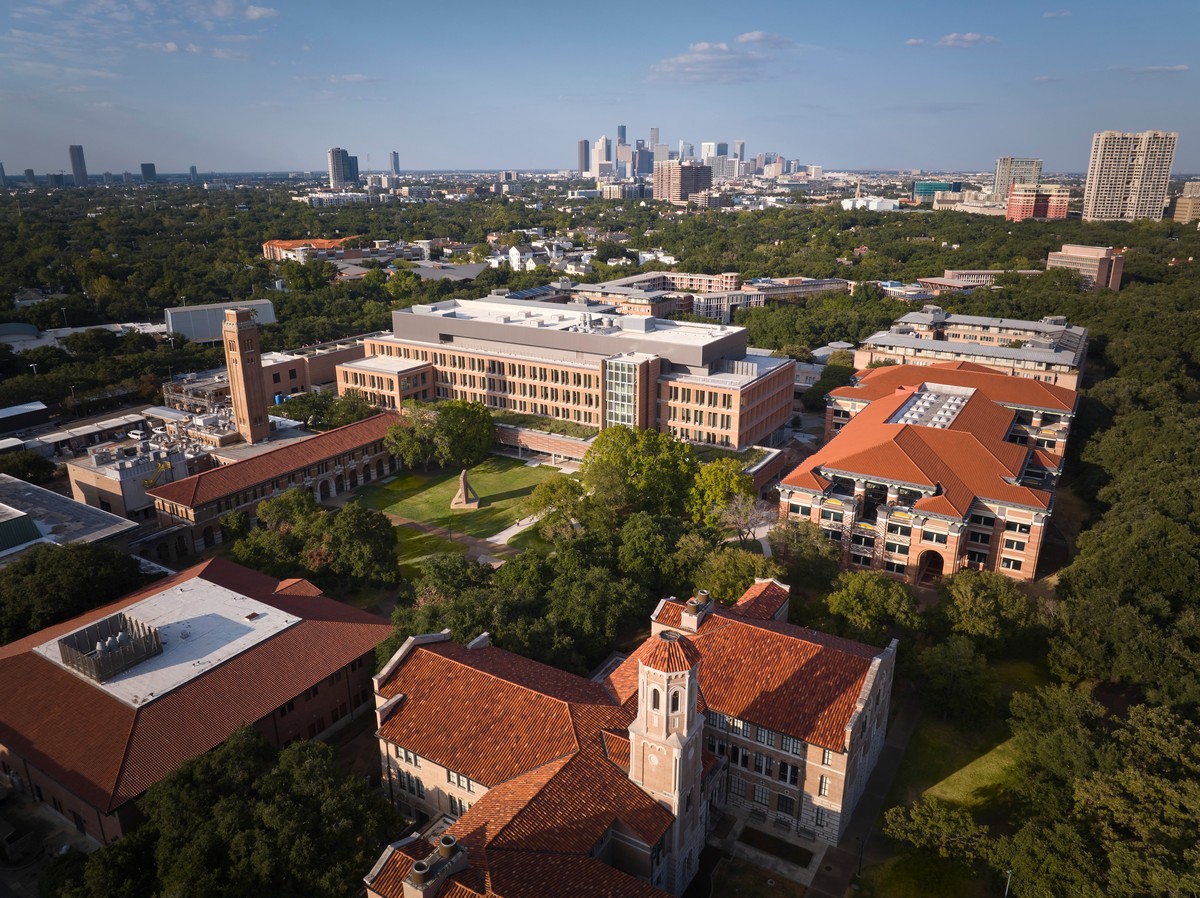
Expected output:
(209, 486)
(763, 600)
(875, 383)
(669, 652)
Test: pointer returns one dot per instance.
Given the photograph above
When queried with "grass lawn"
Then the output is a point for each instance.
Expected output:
(413, 546)
(529, 538)
(913, 875)
(500, 482)
(736, 877)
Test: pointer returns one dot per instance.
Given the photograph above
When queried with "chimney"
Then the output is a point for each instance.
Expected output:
(695, 610)
(427, 876)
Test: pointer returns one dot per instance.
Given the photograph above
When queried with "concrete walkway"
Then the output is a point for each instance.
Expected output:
(478, 549)
(862, 844)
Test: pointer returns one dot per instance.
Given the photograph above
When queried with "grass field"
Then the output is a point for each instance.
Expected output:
(500, 482)
(913, 875)
(413, 546)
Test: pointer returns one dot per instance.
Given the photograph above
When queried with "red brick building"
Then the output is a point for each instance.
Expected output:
(931, 469)
(180, 665)
(552, 784)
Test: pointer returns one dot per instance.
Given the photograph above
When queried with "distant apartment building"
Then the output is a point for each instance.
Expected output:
(1128, 175)
(675, 182)
(78, 166)
(930, 470)
(343, 169)
(1050, 350)
(1041, 201)
(1186, 208)
(1012, 170)
(149, 173)
(1098, 267)
(582, 361)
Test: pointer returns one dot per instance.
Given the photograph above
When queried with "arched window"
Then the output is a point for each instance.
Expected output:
(674, 701)
(655, 700)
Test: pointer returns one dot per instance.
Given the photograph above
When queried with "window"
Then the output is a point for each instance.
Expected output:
(932, 536)
(893, 567)
(275, 378)
(1044, 443)
(1015, 544)
(785, 804)
(457, 779)
(860, 560)
(674, 701)
(792, 746)
(981, 539)
(826, 757)
(1010, 564)
(410, 757)
(798, 509)
(312, 693)
(1015, 527)
(762, 795)
(867, 542)
(409, 783)
(789, 773)
(899, 530)
(981, 520)
(288, 708)
(717, 720)
(765, 736)
(655, 700)
(828, 514)
(458, 807)
(898, 548)
(763, 764)
(823, 786)
(739, 756)
(977, 557)
(820, 817)
(739, 727)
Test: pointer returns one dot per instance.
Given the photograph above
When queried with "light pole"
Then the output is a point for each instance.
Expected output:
(64, 311)
(1008, 882)
(34, 367)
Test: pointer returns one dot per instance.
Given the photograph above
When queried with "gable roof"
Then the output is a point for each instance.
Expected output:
(108, 752)
(209, 486)
(875, 383)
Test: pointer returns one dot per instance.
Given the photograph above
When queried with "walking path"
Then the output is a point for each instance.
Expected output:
(477, 547)
(862, 844)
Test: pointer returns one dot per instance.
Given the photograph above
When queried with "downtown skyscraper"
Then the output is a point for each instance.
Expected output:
(343, 169)
(1128, 175)
(78, 166)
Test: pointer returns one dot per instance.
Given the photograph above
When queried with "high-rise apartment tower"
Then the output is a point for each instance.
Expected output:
(395, 163)
(1011, 170)
(78, 167)
(1128, 174)
(343, 169)
(585, 157)
(149, 173)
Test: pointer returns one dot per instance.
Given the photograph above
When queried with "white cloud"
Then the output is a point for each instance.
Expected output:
(193, 48)
(1056, 14)
(969, 39)
(914, 42)
(1150, 69)
(227, 53)
(717, 62)
(765, 39)
(161, 46)
(223, 8)
(260, 12)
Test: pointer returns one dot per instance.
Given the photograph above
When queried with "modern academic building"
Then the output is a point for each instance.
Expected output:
(1050, 350)
(96, 710)
(583, 362)
(929, 470)
(546, 783)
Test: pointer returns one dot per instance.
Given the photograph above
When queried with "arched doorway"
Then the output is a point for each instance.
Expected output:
(379, 469)
(930, 567)
(339, 484)
(210, 539)
(392, 463)
(353, 479)
(366, 474)
(324, 490)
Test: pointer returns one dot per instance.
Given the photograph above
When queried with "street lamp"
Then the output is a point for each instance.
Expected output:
(34, 367)
(64, 311)
(1008, 882)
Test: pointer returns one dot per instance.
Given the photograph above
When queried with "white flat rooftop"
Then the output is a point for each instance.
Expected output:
(201, 625)
(384, 364)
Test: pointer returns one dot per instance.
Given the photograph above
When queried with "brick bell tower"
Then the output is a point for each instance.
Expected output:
(246, 388)
(665, 748)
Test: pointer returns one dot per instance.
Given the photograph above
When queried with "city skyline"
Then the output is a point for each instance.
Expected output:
(234, 86)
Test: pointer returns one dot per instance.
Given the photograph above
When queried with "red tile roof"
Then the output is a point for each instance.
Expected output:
(109, 753)
(968, 459)
(314, 242)
(875, 383)
(791, 679)
(210, 486)
(763, 600)
(670, 653)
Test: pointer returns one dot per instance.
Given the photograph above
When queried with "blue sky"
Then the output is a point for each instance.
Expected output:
(269, 85)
